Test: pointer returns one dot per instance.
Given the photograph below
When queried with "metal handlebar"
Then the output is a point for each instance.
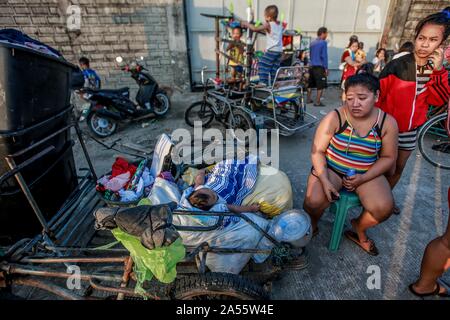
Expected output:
(203, 74)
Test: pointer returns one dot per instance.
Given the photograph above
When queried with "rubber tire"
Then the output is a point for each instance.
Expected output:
(242, 114)
(161, 113)
(421, 135)
(195, 104)
(5, 294)
(226, 284)
(89, 123)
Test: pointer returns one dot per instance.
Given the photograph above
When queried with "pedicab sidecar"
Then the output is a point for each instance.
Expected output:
(278, 106)
(69, 242)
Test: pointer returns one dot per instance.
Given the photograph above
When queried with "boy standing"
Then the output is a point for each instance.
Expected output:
(91, 79)
(236, 52)
(270, 62)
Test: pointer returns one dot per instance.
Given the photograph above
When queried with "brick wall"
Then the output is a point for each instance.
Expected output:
(154, 29)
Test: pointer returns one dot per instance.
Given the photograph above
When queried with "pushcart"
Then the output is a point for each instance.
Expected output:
(69, 241)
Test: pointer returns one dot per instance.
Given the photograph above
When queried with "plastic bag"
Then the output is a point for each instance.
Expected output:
(159, 262)
(147, 177)
(273, 192)
(118, 182)
(189, 176)
(163, 192)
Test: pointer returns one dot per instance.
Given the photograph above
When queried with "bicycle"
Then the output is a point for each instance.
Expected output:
(217, 103)
(434, 138)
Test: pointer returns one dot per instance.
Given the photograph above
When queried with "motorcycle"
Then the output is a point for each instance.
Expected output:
(110, 107)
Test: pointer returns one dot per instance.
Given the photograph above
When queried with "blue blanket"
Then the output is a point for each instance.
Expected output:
(234, 180)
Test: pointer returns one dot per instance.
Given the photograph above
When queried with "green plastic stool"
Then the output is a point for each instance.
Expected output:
(340, 208)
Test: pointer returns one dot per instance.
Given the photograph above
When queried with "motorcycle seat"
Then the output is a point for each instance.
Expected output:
(115, 91)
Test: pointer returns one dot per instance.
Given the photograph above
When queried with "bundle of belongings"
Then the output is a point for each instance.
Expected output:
(151, 224)
(148, 234)
(128, 183)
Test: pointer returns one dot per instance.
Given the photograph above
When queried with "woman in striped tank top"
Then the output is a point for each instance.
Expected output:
(361, 137)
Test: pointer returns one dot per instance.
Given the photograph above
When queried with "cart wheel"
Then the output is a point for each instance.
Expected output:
(217, 286)
(199, 111)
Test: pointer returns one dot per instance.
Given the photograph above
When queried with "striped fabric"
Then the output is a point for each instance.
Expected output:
(423, 76)
(234, 180)
(407, 140)
(268, 66)
(349, 151)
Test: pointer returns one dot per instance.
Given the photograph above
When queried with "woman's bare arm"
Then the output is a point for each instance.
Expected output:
(325, 131)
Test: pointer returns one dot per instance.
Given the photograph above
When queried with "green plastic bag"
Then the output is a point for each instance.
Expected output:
(159, 262)
(145, 202)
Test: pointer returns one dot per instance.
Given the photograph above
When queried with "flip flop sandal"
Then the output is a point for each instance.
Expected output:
(442, 147)
(315, 232)
(422, 295)
(442, 284)
(373, 251)
(396, 210)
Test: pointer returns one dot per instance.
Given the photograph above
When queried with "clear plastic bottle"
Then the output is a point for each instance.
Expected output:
(350, 173)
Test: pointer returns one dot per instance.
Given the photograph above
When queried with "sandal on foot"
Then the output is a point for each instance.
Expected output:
(422, 295)
(319, 104)
(315, 232)
(396, 210)
(444, 285)
(373, 251)
(442, 147)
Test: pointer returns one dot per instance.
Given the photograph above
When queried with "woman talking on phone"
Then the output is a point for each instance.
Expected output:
(412, 82)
